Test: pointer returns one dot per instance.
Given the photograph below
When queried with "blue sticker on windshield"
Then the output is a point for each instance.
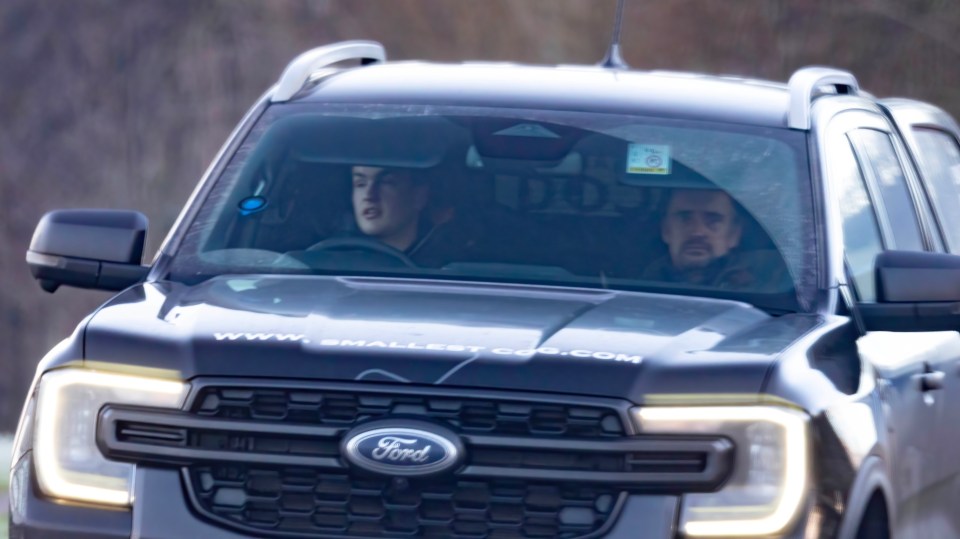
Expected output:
(252, 205)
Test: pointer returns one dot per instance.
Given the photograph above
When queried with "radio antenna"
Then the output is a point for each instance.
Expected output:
(614, 59)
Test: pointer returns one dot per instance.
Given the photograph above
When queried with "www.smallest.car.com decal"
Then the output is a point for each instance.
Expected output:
(436, 347)
(499, 351)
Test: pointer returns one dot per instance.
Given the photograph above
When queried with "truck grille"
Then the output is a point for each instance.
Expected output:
(469, 415)
(311, 503)
(266, 461)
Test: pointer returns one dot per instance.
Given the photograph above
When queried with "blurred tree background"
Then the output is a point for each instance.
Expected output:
(124, 104)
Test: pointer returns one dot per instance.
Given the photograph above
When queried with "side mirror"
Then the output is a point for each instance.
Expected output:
(98, 249)
(916, 291)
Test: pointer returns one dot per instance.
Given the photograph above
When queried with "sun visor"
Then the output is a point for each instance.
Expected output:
(408, 141)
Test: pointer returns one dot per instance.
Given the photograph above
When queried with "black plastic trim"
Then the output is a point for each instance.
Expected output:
(196, 503)
(622, 407)
(114, 448)
(52, 271)
(911, 316)
(636, 482)
(718, 452)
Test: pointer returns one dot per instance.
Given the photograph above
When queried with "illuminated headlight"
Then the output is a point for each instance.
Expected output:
(767, 488)
(68, 463)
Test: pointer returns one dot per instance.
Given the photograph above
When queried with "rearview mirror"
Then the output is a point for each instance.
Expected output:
(98, 249)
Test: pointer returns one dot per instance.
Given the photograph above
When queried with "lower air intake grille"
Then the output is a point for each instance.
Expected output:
(294, 502)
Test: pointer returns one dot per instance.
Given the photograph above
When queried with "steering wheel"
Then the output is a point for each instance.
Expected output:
(361, 244)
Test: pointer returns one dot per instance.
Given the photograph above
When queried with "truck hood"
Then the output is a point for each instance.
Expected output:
(531, 338)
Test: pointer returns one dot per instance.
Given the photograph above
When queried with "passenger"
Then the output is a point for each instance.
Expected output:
(388, 204)
(702, 229)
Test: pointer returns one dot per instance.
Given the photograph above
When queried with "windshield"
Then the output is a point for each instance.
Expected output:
(519, 196)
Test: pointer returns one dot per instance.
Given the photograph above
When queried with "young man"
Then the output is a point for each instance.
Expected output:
(388, 203)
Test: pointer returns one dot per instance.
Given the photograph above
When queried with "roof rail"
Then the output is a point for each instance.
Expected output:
(301, 68)
(804, 84)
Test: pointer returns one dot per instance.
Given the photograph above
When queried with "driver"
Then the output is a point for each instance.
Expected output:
(388, 204)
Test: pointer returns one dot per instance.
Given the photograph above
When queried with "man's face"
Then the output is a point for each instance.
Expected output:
(387, 204)
(699, 227)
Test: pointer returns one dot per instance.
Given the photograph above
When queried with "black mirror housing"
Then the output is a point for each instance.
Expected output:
(917, 277)
(916, 291)
(88, 248)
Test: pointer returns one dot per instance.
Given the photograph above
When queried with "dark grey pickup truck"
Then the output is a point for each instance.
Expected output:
(500, 301)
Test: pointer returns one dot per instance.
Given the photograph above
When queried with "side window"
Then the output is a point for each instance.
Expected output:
(893, 196)
(940, 162)
(861, 231)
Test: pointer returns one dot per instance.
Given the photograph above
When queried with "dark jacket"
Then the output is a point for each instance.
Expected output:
(756, 271)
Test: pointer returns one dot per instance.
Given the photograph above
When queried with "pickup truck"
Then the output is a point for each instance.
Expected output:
(412, 299)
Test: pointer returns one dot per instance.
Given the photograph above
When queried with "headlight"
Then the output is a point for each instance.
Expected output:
(68, 463)
(769, 481)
